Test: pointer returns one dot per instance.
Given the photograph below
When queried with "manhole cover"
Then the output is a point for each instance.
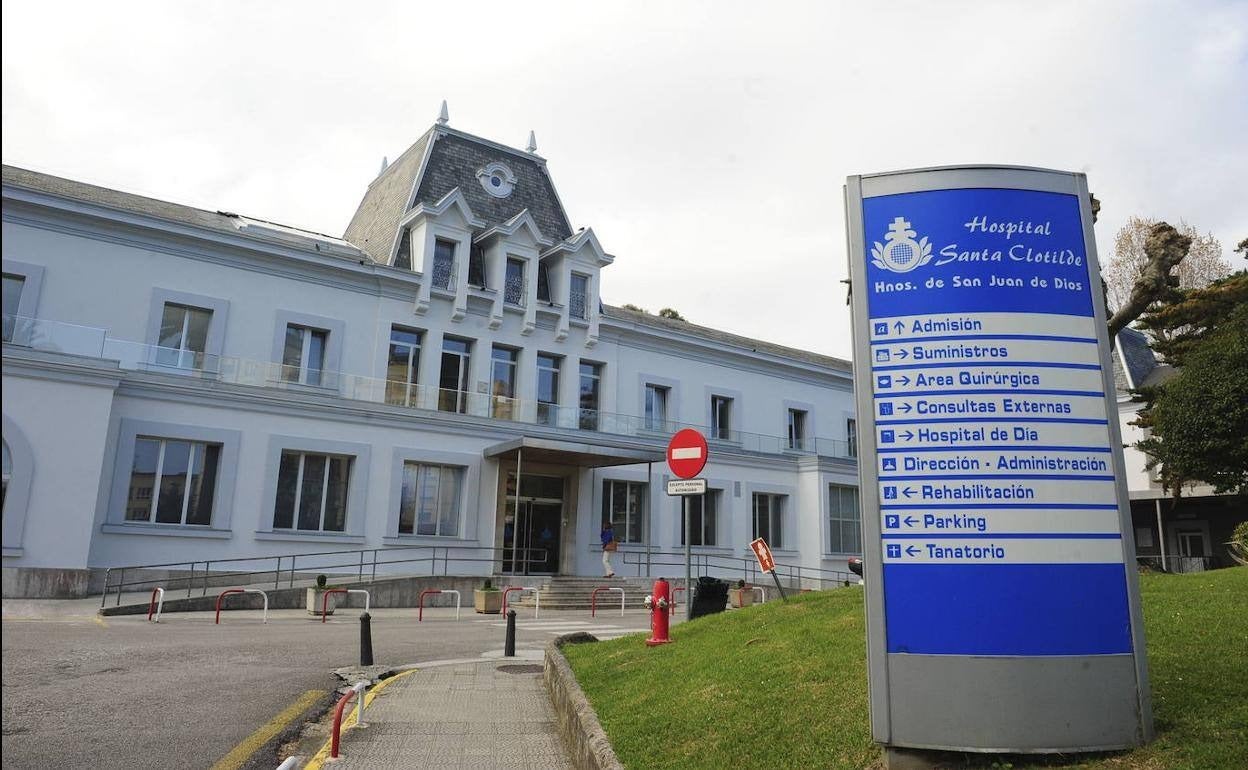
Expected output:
(524, 668)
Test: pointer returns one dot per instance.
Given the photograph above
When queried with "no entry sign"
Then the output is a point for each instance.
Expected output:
(686, 453)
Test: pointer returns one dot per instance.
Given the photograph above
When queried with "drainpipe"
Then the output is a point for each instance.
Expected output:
(1161, 534)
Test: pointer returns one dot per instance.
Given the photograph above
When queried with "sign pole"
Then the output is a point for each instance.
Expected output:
(779, 587)
(684, 512)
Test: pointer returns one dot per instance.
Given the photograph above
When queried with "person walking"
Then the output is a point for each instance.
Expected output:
(608, 548)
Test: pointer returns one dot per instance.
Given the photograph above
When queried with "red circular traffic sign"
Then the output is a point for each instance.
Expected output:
(686, 453)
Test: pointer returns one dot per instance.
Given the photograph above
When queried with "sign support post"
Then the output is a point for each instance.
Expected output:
(1003, 609)
(686, 457)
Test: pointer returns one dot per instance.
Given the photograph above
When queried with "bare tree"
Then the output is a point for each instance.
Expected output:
(1203, 264)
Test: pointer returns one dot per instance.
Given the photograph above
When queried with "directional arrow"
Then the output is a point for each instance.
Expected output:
(906, 408)
(904, 380)
(900, 327)
(909, 520)
(908, 434)
(908, 492)
(911, 550)
(902, 354)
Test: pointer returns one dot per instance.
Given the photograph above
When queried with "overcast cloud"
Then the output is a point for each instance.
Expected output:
(706, 144)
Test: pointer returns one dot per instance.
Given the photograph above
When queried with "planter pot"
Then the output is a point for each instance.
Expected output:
(487, 602)
(316, 596)
(740, 597)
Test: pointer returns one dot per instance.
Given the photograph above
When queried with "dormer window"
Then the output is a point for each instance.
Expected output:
(443, 263)
(497, 179)
(476, 266)
(578, 296)
(543, 283)
(513, 293)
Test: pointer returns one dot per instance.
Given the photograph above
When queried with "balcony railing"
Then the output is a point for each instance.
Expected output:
(56, 336)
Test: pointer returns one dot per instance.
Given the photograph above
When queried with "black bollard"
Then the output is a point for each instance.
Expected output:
(366, 640)
(509, 646)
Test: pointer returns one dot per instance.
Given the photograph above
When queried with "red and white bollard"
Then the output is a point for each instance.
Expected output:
(657, 603)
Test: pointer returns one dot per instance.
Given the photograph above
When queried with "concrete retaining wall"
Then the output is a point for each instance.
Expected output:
(583, 737)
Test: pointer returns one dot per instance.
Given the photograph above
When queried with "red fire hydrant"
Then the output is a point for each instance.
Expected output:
(657, 603)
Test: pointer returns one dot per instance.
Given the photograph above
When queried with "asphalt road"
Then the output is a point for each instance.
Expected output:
(119, 692)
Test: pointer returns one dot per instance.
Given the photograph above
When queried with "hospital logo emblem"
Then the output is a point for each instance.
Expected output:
(901, 253)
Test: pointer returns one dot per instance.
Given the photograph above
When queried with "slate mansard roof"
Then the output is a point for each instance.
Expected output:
(1135, 364)
(442, 160)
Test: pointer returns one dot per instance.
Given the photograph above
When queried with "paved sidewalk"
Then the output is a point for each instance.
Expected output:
(489, 714)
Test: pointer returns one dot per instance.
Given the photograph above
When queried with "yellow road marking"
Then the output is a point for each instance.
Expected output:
(321, 756)
(99, 621)
(252, 743)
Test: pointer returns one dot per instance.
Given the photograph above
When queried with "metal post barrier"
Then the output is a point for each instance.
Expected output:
(420, 609)
(325, 601)
(675, 601)
(593, 599)
(337, 733)
(291, 763)
(157, 603)
(366, 639)
(229, 591)
(360, 688)
(367, 598)
(537, 596)
(762, 593)
(509, 643)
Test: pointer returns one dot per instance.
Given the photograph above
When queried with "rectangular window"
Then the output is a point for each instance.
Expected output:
(548, 388)
(769, 518)
(183, 336)
(578, 296)
(402, 366)
(624, 505)
(851, 437)
(503, 382)
(443, 264)
(721, 418)
(303, 356)
(12, 299)
(591, 385)
(312, 492)
(513, 287)
(453, 381)
(476, 266)
(656, 407)
(797, 429)
(430, 500)
(183, 472)
(703, 518)
(844, 520)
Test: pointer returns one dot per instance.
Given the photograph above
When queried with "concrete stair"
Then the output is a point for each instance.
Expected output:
(573, 593)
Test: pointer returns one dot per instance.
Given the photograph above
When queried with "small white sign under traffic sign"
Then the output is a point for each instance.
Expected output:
(685, 487)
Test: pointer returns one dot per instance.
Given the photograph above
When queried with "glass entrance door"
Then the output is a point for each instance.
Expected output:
(532, 529)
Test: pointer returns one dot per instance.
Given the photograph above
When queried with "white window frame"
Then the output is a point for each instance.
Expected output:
(460, 473)
(630, 515)
(299, 475)
(837, 519)
(656, 396)
(725, 404)
(305, 354)
(410, 382)
(584, 314)
(798, 419)
(154, 493)
(185, 354)
(717, 495)
(777, 504)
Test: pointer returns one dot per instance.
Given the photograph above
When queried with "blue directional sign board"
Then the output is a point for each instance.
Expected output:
(996, 478)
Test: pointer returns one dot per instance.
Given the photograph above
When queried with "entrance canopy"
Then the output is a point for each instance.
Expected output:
(554, 451)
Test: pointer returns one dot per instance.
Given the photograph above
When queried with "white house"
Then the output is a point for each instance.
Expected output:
(182, 385)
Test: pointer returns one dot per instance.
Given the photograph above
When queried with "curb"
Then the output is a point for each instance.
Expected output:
(583, 737)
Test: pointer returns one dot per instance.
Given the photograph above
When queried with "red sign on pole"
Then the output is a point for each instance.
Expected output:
(686, 453)
(763, 553)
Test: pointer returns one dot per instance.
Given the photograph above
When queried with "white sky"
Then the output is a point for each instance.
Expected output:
(706, 144)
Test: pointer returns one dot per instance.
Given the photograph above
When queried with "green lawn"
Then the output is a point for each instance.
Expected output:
(784, 685)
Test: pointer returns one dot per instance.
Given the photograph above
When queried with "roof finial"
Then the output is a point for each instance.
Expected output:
(443, 115)
(532, 143)
(385, 164)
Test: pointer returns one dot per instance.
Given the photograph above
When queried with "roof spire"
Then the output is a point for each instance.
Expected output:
(385, 164)
(443, 115)
(532, 143)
